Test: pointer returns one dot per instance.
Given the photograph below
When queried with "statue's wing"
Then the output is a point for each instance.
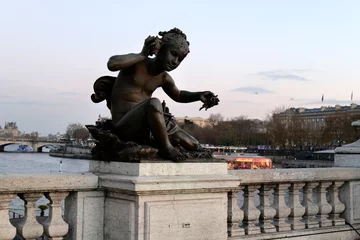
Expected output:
(103, 88)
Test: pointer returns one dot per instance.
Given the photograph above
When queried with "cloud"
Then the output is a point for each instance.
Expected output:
(283, 75)
(253, 90)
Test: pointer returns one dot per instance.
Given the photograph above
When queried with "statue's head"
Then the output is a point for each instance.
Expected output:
(173, 50)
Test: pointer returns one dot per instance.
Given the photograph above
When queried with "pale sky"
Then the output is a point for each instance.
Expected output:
(289, 52)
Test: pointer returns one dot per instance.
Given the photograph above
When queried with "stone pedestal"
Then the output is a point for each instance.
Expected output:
(348, 155)
(165, 200)
(349, 194)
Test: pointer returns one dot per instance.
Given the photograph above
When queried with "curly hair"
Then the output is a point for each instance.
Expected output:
(175, 37)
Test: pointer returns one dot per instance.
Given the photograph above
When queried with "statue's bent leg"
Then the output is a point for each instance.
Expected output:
(133, 125)
(185, 140)
(148, 115)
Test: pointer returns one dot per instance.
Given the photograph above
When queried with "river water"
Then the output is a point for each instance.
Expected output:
(12, 162)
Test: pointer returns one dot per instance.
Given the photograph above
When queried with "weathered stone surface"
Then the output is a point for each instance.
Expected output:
(160, 168)
(165, 200)
(84, 212)
(347, 160)
(163, 217)
(349, 194)
(344, 232)
(22, 183)
(295, 175)
(167, 184)
(348, 155)
(353, 148)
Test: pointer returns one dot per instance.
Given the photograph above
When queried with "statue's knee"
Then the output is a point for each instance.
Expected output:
(194, 145)
(155, 104)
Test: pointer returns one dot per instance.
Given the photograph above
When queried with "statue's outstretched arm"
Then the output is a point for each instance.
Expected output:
(177, 95)
(207, 97)
(120, 62)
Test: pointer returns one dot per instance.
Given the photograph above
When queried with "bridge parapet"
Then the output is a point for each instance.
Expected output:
(171, 200)
(283, 203)
(74, 188)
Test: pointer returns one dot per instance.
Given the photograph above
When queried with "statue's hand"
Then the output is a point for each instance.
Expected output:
(209, 99)
(151, 46)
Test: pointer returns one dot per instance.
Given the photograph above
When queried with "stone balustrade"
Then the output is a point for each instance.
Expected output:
(294, 203)
(184, 201)
(30, 188)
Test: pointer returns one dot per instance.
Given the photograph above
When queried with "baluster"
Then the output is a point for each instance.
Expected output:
(297, 210)
(324, 207)
(235, 215)
(282, 211)
(7, 231)
(337, 206)
(29, 228)
(251, 213)
(266, 211)
(55, 227)
(311, 209)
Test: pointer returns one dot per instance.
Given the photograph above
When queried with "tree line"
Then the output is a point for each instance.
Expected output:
(291, 133)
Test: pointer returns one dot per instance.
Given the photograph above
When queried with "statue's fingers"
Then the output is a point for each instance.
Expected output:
(147, 39)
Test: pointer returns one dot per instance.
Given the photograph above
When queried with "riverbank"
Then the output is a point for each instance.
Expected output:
(71, 155)
(75, 152)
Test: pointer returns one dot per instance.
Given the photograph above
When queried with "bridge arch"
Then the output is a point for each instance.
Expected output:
(40, 148)
(2, 147)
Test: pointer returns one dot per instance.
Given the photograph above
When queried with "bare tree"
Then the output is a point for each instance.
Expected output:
(278, 128)
(77, 131)
(214, 119)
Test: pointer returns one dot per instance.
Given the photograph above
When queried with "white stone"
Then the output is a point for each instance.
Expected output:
(159, 168)
(178, 184)
(348, 155)
(349, 194)
(165, 200)
(84, 212)
(296, 175)
(163, 217)
(21, 183)
(346, 160)
(349, 148)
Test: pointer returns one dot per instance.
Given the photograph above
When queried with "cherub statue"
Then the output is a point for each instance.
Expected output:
(136, 115)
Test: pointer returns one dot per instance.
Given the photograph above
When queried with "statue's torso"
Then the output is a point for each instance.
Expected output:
(132, 86)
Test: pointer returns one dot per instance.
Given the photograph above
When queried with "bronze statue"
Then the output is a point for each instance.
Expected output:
(136, 115)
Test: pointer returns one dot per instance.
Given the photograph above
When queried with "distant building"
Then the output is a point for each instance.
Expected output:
(11, 129)
(316, 116)
(195, 120)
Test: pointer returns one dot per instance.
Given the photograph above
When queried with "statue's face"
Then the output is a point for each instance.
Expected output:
(170, 56)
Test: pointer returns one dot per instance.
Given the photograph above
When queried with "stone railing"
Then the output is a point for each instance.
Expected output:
(30, 188)
(294, 202)
(184, 201)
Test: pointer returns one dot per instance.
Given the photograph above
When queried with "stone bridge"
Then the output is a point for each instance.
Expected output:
(35, 144)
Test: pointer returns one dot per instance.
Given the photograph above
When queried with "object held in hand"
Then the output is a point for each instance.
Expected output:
(156, 46)
(210, 103)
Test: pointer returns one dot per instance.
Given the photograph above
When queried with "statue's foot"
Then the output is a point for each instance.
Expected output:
(173, 154)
